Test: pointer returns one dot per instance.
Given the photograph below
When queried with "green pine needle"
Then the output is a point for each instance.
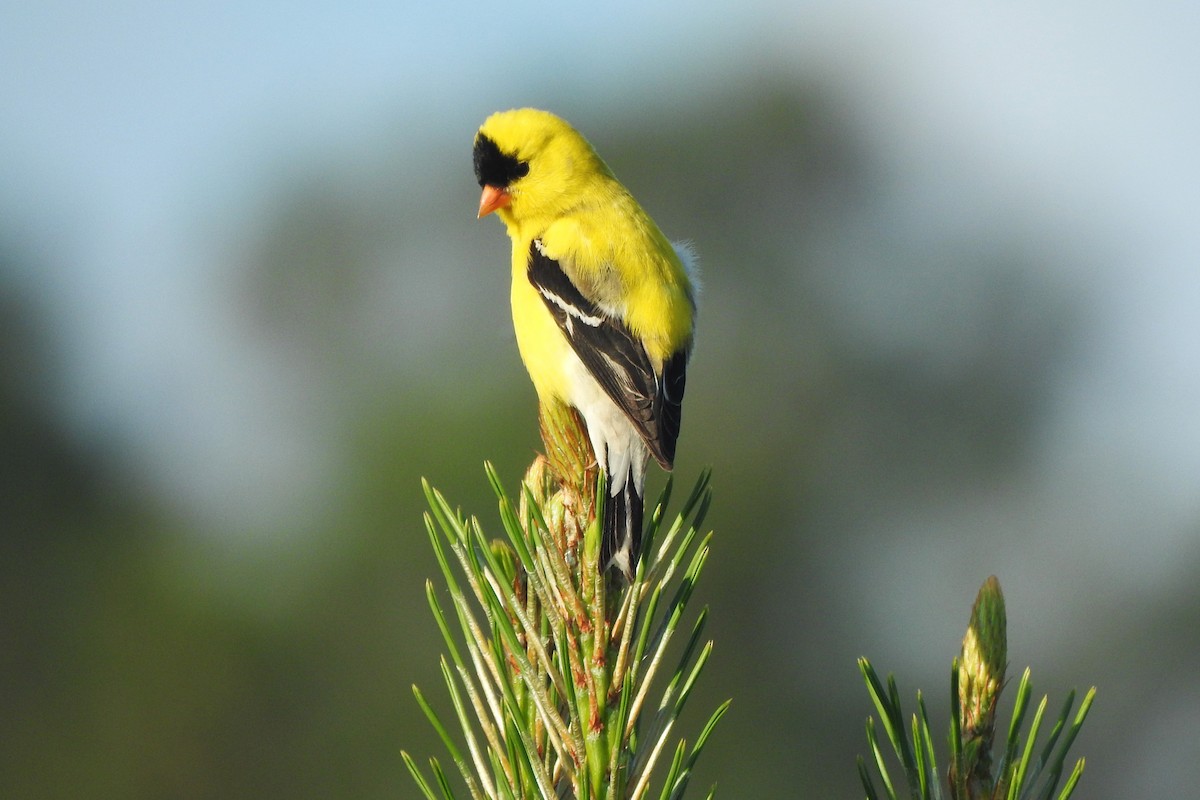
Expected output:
(880, 763)
(417, 776)
(1073, 780)
(865, 776)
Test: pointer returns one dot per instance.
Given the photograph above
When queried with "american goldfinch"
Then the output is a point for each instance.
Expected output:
(603, 304)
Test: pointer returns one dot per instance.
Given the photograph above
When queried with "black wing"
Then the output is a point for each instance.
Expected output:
(615, 358)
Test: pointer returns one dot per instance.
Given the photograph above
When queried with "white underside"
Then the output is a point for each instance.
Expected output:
(615, 441)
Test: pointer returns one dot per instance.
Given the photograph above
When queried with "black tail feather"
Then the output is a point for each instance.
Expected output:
(622, 542)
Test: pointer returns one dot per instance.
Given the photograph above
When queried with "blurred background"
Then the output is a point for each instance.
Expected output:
(949, 329)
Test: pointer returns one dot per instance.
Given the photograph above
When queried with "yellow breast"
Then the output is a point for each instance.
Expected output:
(542, 345)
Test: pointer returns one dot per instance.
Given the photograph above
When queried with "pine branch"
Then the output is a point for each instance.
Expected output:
(976, 681)
(553, 662)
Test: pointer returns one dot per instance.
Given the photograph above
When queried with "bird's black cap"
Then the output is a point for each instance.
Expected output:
(494, 168)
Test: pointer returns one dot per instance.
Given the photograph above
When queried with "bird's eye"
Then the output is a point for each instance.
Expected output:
(494, 167)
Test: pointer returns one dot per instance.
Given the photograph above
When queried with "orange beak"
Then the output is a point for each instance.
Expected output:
(493, 198)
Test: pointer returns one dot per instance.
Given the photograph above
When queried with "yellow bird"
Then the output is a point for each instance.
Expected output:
(603, 304)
